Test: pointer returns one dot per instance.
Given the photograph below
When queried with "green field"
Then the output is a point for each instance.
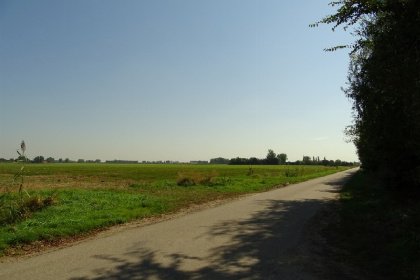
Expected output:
(87, 197)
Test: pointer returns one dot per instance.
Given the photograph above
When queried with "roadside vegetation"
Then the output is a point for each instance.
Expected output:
(379, 232)
(75, 199)
(384, 88)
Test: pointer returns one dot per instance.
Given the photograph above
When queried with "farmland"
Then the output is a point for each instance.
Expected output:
(89, 197)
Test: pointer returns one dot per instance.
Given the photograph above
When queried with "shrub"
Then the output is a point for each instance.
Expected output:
(195, 178)
(291, 172)
(186, 182)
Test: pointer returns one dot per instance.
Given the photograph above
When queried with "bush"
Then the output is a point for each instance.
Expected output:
(186, 182)
(194, 178)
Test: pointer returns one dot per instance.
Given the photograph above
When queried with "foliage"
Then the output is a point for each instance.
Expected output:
(38, 159)
(282, 158)
(219, 160)
(271, 158)
(384, 86)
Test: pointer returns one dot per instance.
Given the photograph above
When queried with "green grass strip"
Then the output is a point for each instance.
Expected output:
(81, 211)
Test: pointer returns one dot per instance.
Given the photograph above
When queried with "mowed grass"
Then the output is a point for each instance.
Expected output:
(96, 196)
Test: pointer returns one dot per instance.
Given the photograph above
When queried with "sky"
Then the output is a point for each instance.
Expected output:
(175, 80)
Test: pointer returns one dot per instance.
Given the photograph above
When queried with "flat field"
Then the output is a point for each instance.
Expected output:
(89, 197)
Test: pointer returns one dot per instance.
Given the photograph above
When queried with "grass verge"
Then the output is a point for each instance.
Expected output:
(380, 232)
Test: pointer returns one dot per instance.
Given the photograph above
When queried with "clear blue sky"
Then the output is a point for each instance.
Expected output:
(171, 80)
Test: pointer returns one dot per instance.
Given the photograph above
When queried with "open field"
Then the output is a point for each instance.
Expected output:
(88, 197)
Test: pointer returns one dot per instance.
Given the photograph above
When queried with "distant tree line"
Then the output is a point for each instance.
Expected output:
(306, 160)
(219, 160)
(42, 159)
(122, 161)
(280, 159)
(159, 162)
(271, 159)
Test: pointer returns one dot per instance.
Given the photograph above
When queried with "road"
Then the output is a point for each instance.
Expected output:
(255, 237)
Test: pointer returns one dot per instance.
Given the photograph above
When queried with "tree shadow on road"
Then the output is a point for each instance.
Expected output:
(337, 184)
(261, 247)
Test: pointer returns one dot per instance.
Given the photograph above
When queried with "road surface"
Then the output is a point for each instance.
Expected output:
(255, 237)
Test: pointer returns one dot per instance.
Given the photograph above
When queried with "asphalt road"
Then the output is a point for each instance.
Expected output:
(255, 237)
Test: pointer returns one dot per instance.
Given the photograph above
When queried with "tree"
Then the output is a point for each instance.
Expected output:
(219, 160)
(38, 159)
(306, 160)
(254, 161)
(239, 161)
(384, 86)
(22, 158)
(271, 158)
(282, 158)
(50, 160)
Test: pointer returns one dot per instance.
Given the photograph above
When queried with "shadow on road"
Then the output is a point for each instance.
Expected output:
(337, 184)
(261, 247)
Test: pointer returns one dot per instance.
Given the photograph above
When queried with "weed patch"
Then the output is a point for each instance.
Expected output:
(191, 178)
(17, 206)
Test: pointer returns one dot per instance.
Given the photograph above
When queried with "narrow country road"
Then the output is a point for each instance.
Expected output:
(251, 238)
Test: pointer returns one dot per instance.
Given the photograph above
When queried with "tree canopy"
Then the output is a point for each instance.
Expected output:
(384, 85)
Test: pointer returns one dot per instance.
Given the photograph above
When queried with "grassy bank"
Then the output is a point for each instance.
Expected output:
(380, 232)
(87, 197)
